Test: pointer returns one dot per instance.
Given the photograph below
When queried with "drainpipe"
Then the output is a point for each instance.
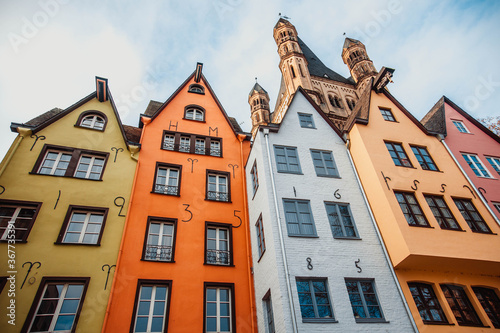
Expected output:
(23, 132)
(242, 137)
(379, 236)
(280, 233)
(479, 195)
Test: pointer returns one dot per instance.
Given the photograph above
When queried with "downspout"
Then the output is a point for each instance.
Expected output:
(480, 196)
(280, 233)
(247, 236)
(23, 132)
(379, 236)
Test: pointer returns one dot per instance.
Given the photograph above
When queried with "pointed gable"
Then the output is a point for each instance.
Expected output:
(435, 120)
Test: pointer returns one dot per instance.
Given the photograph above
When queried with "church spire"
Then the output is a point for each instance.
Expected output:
(259, 107)
(355, 56)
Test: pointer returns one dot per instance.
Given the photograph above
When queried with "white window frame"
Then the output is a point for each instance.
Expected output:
(167, 186)
(94, 122)
(218, 303)
(477, 166)
(306, 120)
(60, 300)
(320, 165)
(159, 244)
(218, 242)
(88, 171)
(54, 167)
(340, 217)
(215, 148)
(86, 223)
(195, 114)
(460, 126)
(199, 146)
(497, 206)
(152, 302)
(494, 162)
(169, 142)
(185, 144)
(221, 190)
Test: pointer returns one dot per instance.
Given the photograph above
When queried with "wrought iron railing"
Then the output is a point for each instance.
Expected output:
(215, 151)
(218, 257)
(199, 150)
(158, 252)
(167, 189)
(168, 145)
(217, 196)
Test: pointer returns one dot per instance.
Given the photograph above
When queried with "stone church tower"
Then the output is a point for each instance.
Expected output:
(259, 106)
(336, 95)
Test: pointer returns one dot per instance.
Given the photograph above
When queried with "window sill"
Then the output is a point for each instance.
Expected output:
(308, 127)
(408, 167)
(42, 174)
(160, 261)
(290, 172)
(421, 226)
(437, 323)
(212, 200)
(198, 121)
(218, 265)
(90, 128)
(371, 321)
(84, 244)
(328, 176)
(16, 241)
(484, 233)
(449, 229)
(319, 320)
(348, 238)
(171, 195)
(304, 236)
(196, 92)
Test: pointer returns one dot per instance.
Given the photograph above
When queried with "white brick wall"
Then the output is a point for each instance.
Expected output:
(333, 259)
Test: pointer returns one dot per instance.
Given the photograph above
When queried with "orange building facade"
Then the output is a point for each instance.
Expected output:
(442, 240)
(184, 261)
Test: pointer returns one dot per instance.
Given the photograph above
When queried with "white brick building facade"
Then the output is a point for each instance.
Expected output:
(318, 258)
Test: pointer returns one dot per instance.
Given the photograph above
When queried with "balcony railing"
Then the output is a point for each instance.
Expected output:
(218, 196)
(168, 145)
(158, 252)
(218, 257)
(167, 189)
(215, 151)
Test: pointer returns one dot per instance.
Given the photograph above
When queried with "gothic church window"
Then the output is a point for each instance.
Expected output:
(292, 72)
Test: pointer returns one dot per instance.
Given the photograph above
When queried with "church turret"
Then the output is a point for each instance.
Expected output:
(355, 56)
(293, 64)
(259, 107)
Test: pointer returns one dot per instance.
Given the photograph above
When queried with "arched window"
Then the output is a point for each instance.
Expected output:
(194, 113)
(350, 103)
(196, 88)
(335, 101)
(292, 71)
(92, 119)
(257, 118)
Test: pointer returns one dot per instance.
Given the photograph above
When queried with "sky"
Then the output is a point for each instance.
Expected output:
(51, 51)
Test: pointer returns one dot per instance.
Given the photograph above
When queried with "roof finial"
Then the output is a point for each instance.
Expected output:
(284, 16)
(344, 33)
(255, 79)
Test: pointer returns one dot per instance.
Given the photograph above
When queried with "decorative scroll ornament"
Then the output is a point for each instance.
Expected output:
(357, 266)
(190, 213)
(107, 275)
(385, 179)
(57, 200)
(120, 205)
(116, 152)
(31, 264)
(192, 162)
(41, 137)
(309, 264)
(471, 191)
(483, 192)
(233, 166)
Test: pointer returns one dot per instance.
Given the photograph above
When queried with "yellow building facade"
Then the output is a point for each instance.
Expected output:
(65, 186)
(441, 239)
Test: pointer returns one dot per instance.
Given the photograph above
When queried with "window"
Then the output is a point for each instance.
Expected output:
(324, 165)
(364, 302)
(411, 209)
(427, 303)
(460, 126)
(70, 162)
(268, 310)
(218, 247)
(306, 120)
(83, 225)
(497, 205)
(167, 179)
(57, 305)
(292, 71)
(490, 302)
(315, 305)
(92, 119)
(160, 240)
(298, 216)
(398, 154)
(442, 213)
(287, 159)
(261, 242)
(16, 219)
(341, 221)
(255, 177)
(460, 305)
(151, 306)
(387, 114)
(194, 113)
(351, 103)
(89, 167)
(219, 308)
(476, 165)
(196, 88)
(335, 101)
(495, 163)
(424, 158)
(218, 187)
(471, 216)
(192, 143)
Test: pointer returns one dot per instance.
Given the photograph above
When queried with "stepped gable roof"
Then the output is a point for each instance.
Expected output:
(317, 68)
(435, 121)
(44, 117)
(258, 88)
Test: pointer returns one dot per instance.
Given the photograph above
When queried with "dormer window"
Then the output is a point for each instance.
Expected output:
(194, 113)
(94, 120)
(196, 88)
